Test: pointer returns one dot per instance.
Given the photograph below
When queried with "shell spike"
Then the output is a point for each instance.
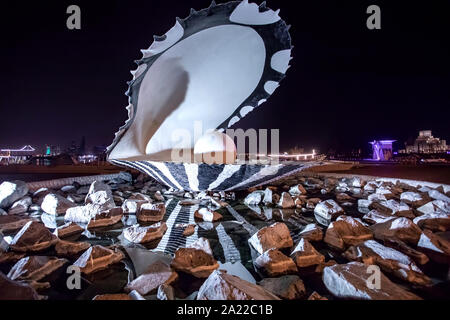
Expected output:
(263, 6)
(193, 11)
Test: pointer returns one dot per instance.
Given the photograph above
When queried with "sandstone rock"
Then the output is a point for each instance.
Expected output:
(56, 204)
(106, 218)
(35, 268)
(297, 190)
(328, 209)
(150, 212)
(436, 195)
(343, 197)
(400, 228)
(413, 198)
(70, 249)
(346, 231)
(350, 281)
(202, 244)
(158, 196)
(356, 182)
(311, 203)
(375, 216)
(312, 232)
(207, 215)
(132, 206)
(268, 197)
(254, 198)
(399, 245)
(114, 297)
(189, 230)
(15, 290)
(435, 247)
(10, 192)
(393, 207)
(436, 206)
(274, 263)
(20, 206)
(165, 292)
(389, 260)
(305, 255)
(222, 286)
(286, 201)
(97, 258)
(157, 274)
(316, 296)
(100, 194)
(189, 202)
(194, 261)
(275, 236)
(289, 287)
(67, 230)
(140, 197)
(363, 203)
(137, 234)
(12, 223)
(439, 221)
(33, 237)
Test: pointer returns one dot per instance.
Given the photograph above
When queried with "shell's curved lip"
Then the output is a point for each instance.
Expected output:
(217, 177)
(272, 29)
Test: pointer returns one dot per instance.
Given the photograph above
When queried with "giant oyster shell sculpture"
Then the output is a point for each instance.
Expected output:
(212, 69)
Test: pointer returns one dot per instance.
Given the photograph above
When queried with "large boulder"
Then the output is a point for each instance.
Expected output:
(400, 228)
(393, 207)
(70, 249)
(274, 263)
(223, 286)
(286, 201)
(137, 234)
(12, 223)
(414, 199)
(305, 255)
(417, 256)
(15, 290)
(106, 218)
(97, 258)
(33, 237)
(346, 231)
(151, 212)
(438, 221)
(389, 260)
(289, 287)
(435, 206)
(10, 192)
(20, 206)
(311, 232)
(35, 268)
(275, 236)
(353, 281)
(56, 204)
(328, 209)
(254, 198)
(435, 247)
(100, 194)
(194, 261)
(158, 273)
(68, 229)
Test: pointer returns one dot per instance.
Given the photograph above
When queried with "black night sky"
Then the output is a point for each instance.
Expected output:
(347, 84)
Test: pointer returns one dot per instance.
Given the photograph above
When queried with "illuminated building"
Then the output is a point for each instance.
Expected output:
(382, 149)
(426, 143)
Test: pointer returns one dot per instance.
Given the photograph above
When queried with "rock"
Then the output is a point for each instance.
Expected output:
(33, 237)
(140, 197)
(297, 190)
(400, 228)
(12, 223)
(189, 230)
(106, 218)
(435, 247)
(321, 266)
(97, 258)
(10, 192)
(132, 206)
(10, 257)
(346, 231)
(436, 206)
(70, 249)
(158, 196)
(438, 221)
(275, 236)
(343, 197)
(268, 197)
(84, 214)
(356, 182)
(254, 198)
(20, 206)
(387, 193)
(137, 234)
(311, 203)
(350, 281)
(15, 290)
(305, 255)
(189, 202)
(274, 263)
(328, 209)
(393, 207)
(374, 216)
(413, 198)
(67, 230)
(165, 292)
(399, 245)
(158, 273)
(56, 204)
(389, 260)
(316, 296)
(286, 201)
(222, 286)
(150, 212)
(113, 297)
(194, 261)
(363, 203)
(436, 195)
(289, 287)
(202, 244)
(311, 232)
(100, 194)
(207, 215)
(35, 268)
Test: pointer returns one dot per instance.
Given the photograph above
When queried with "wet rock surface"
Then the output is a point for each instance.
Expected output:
(303, 238)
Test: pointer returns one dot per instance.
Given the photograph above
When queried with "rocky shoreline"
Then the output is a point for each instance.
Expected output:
(305, 238)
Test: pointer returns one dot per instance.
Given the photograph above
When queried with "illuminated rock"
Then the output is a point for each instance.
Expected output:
(305, 255)
(10, 223)
(436, 206)
(400, 228)
(33, 237)
(189, 230)
(15, 290)
(202, 244)
(311, 232)
(289, 287)
(100, 194)
(67, 230)
(413, 198)
(10, 192)
(254, 198)
(346, 231)
(297, 190)
(137, 234)
(70, 249)
(97, 258)
(194, 261)
(274, 263)
(439, 221)
(207, 215)
(20, 206)
(286, 201)
(132, 206)
(150, 212)
(35, 268)
(275, 236)
(56, 204)
(328, 209)
(106, 218)
(435, 247)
